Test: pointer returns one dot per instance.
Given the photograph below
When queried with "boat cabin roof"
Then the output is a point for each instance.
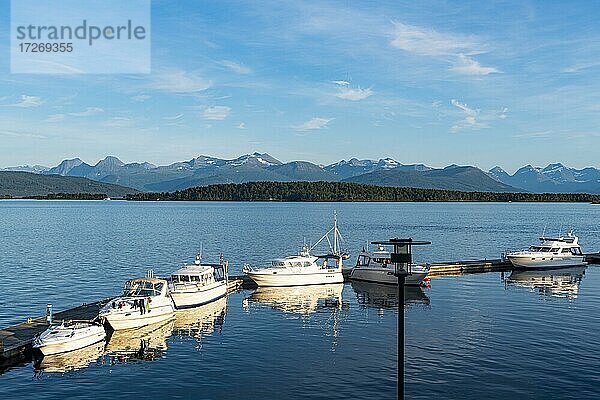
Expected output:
(196, 269)
(149, 280)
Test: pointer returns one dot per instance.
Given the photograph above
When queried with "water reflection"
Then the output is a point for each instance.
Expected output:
(145, 344)
(386, 296)
(302, 300)
(199, 321)
(563, 282)
(70, 361)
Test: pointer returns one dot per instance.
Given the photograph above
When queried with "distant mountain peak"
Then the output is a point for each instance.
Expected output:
(110, 160)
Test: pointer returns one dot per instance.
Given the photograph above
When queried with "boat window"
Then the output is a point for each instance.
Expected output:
(184, 278)
(566, 250)
(534, 248)
(158, 287)
(363, 261)
(296, 264)
(278, 264)
(554, 249)
(194, 278)
(576, 250)
(307, 263)
(545, 249)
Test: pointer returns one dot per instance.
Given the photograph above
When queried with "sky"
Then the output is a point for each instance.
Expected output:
(471, 83)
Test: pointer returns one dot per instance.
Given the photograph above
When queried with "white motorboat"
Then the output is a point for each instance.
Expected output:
(69, 336)
(552, 252)
(377, 267)
(560, 282)
(198, 284)
(304, 268)
(145, 301)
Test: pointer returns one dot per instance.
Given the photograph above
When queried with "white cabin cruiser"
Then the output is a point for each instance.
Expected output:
(69, 336)
(377, 267)
(303, 268)
(145, 301)
(198, 284)
(563, 251)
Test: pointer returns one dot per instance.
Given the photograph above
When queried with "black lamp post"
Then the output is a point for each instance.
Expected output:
(402, 259)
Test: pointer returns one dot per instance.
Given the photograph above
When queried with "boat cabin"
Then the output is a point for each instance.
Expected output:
(144, 287)
(199, 275)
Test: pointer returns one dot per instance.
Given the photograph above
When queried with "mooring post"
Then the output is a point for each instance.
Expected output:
(49, 314)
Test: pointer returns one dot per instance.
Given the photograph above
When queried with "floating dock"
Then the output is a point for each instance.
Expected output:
(15, 341)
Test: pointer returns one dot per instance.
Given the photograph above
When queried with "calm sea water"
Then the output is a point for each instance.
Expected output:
(468, 337)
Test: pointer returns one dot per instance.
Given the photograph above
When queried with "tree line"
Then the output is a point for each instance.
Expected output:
(347, 192)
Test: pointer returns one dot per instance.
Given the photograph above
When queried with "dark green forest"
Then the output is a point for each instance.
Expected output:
(342, 191)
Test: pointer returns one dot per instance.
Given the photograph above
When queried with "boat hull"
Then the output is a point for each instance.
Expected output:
(546, 262)
(190, 299)
(290, 279)
(65, 346)
(133, 319)
(386, 276)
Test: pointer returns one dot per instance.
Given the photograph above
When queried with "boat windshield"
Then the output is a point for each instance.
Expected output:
(142, 289)
(542, 249)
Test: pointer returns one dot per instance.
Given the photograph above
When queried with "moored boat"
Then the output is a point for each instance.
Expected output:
(552, 252)
(144, 301)
(377, 267)
(69, 336)
(198, 284)
(304, 268)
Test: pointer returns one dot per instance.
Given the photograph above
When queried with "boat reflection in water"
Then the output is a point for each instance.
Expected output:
(381, 296)
(302, 300)
(561, 282)
(72, 360)
(144, 344)
(200, 321)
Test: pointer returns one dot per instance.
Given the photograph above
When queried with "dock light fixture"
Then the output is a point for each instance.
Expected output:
(402, 259)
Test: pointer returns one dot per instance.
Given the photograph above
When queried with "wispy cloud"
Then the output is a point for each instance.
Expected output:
(28, 101)
(173, 118)
(140, 98)
(55, 118)
(118, 122)
(345, 92)
(457, 49)
(428, 42)
(216, 112)
(88, 112)
(242, 125)
(236, 67)
(313, 124)
(21, 134)
(470, 121)
(468, 66)
(178, 81)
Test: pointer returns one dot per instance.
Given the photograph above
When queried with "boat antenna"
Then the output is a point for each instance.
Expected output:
(335, 232)
(544, 232)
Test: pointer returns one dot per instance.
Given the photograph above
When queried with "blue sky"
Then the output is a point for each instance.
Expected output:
(477, 83)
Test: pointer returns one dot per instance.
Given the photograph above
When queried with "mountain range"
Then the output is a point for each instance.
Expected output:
(206, 170)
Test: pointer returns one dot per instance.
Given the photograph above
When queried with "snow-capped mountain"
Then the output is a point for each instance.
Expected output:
(554, 178)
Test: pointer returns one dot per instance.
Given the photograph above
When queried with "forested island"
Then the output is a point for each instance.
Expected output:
(70, 196)
(346, 192)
